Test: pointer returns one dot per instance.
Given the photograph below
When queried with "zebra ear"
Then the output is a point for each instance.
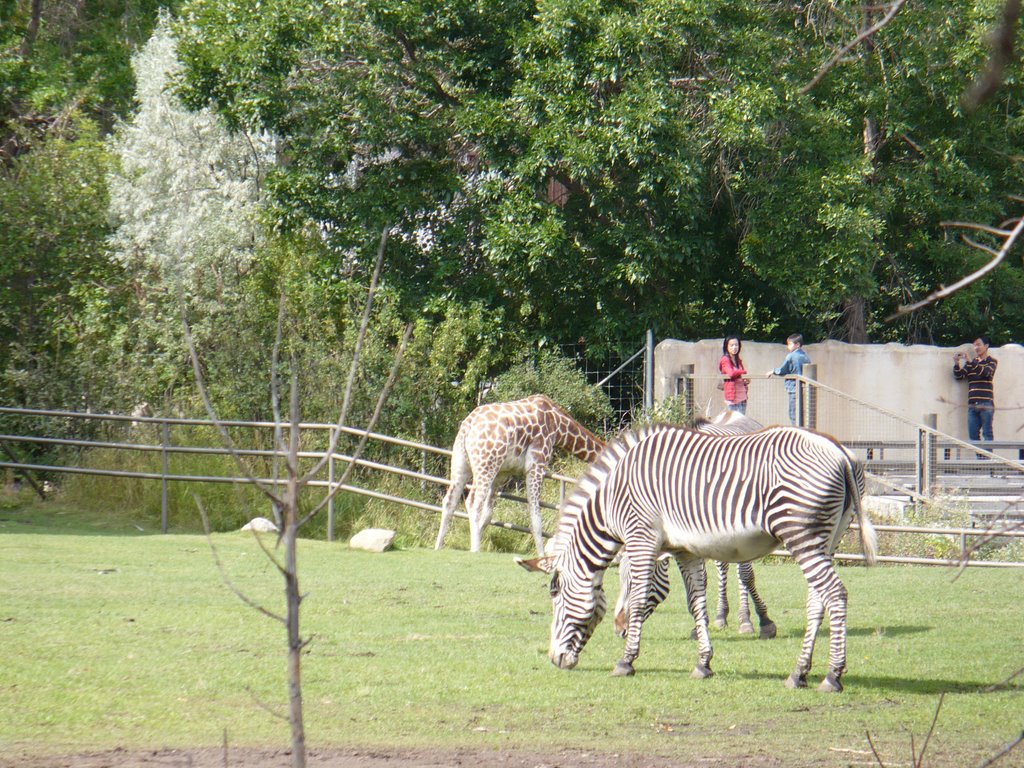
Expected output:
(536, 564)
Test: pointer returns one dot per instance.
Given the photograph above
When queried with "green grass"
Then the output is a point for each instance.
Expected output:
(125, 639)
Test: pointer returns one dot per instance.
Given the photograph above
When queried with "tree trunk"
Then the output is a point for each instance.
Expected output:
(291, 585)
(855, 319)
(28, 42)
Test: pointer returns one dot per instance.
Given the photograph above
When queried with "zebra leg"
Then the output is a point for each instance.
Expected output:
(828, 594)
(834, 596)
(748, 592)
(721, 618)
(640, 562)
(815, 610)
(658, 593)
(695, 578)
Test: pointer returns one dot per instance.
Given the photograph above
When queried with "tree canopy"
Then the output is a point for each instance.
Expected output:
(548, 172)
(587, 168)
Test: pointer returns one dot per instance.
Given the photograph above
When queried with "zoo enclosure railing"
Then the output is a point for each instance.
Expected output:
(166, 449)
(909, 459)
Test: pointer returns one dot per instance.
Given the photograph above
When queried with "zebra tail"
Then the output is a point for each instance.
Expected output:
(868, 534)
(868, 537)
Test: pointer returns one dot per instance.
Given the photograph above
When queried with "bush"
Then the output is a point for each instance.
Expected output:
(557, 377)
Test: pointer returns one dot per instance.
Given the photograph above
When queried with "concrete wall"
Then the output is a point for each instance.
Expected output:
(909, 381)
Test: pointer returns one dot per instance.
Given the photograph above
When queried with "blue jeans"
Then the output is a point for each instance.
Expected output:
(979, 421)
(792, 408)
(738, 407)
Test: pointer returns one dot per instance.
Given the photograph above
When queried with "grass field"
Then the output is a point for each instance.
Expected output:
(112, 638)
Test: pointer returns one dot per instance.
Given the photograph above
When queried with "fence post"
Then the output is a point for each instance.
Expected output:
(926, 455)
(330, 487)
(649, 372)
(807, 398)
(685, 378)
(165, 442)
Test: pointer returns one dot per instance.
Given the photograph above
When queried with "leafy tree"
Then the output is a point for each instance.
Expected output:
(53, 270)
(184, 200)
(586, 168)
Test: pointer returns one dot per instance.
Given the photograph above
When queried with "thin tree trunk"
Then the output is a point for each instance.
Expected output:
(291, 579)
(28, 42)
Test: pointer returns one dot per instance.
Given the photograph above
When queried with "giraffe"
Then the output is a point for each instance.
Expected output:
(497, 439)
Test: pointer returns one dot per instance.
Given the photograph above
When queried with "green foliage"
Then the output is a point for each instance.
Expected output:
(559, 378)
(54, 271)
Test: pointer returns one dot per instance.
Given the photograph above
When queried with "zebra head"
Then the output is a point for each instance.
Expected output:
(578, 605)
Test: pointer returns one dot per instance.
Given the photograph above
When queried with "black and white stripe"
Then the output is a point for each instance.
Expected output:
(697, 496)
(726, 423)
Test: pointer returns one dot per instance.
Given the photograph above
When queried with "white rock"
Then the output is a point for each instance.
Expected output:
(260, 524)
(373, 540)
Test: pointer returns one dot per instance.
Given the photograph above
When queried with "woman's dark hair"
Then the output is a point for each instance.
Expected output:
(725, 346)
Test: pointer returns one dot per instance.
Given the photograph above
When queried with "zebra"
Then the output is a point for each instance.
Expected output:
(698, 496)
(726, 423)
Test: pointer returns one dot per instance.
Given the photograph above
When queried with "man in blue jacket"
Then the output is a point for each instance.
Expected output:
(792, 365)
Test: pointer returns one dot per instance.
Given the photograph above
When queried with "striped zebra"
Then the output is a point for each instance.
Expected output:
(726, 423)
(698, 496)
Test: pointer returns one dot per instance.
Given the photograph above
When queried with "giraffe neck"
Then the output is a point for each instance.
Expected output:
(576, 439)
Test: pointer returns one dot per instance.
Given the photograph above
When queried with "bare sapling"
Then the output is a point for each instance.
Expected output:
(284, 496)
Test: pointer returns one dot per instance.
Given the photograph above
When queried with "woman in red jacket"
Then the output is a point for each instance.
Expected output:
(731, 365)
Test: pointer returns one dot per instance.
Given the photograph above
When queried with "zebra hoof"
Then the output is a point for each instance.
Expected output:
(830, 684)
(720, 622)
(796, 681)
(623, 669)
(700, 672)
(746, 628)
(768, 631)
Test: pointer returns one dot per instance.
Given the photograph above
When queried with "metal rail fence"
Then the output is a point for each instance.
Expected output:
(131, 427)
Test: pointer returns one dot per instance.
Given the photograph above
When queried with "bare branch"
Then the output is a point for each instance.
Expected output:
(1002, 55)
(223, 573)
(369, 427)
(275, 403)
(931, 730)
(942, 293)
(212, 413)
(1005, 751)
(864, 35)
(356, 352)
(874, 751)
(995, 687)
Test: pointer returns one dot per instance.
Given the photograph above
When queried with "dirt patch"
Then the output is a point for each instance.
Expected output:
(355, 758)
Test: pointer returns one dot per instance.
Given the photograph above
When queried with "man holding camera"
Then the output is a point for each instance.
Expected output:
(978, 373)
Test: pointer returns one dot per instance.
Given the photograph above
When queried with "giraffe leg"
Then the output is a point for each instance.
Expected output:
(695, 579)
(460, 474)
(722, 617)
(534, 478)
(481, 510)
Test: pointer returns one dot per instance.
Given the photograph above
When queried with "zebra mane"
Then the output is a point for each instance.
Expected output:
(593, 479)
